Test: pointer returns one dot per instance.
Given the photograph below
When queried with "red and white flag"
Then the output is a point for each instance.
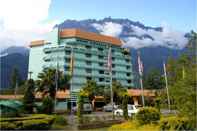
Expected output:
(140, 65)
(109, 61)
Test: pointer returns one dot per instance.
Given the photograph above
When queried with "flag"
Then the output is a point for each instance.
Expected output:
(109, 61)
(140, 65)
(71, 63)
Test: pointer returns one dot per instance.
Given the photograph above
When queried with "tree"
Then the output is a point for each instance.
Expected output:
(29, 98)
(118, 91)
(91, 89)
(154, 80)
(47, 105)
(47, 81)
(182, 86)
(80, 101)
(125, 105)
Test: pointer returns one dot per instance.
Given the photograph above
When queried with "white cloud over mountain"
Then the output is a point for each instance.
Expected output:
(109, 28)
(168, 37)
(23, 20)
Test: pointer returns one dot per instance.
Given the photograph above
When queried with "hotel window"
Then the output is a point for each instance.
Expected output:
(128, 67)
(113, 58)
(101, 79)
(128, 74)
(88, 55)
(101, 71)
(88, 71)
(67, 60)
(88, 78)
(88, 47)
(113, 65)
(127, 60)
(88, 63)
(129, 81)
(100, 49)
(101, 57)
(101, 64)
(113, 73)
(67, 52)
(112, 50)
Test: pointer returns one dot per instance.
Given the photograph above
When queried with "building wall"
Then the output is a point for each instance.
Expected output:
(36, 61)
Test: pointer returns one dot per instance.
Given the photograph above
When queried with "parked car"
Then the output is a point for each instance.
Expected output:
(108, 108)
(87, 108)
(132, 109)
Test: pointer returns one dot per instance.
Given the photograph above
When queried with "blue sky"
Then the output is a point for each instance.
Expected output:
(180, 14)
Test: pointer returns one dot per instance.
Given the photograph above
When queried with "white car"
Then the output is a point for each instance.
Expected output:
(132, 109)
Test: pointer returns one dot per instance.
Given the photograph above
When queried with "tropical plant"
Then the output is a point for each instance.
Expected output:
(124, 105)
(154, 80)
(47, 81)
(47, 106)
(90, 88)
(29, 98)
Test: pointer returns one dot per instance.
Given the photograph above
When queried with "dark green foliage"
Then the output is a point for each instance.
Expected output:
(47, 105)
(7, 126)
(91, 89)
(154, 80)
(124, 105)
(175, 124)
(118, 92)
(47, 81)
(158, 103)
(80, 102)
(36, 122)
(60, 120)
(148, 115)
(29, 98)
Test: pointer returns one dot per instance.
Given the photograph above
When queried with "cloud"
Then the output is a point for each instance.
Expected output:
(109, 28)
(168, 37)
(22, 21)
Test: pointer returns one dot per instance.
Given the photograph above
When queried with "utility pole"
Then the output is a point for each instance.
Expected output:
(30, 73)
(166, 80)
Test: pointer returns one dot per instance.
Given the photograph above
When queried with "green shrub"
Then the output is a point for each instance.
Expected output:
(47, 105)
(60, 120)
(34, 122)
(35, 125)
(147, 115)
(7, 126)
(175, 123)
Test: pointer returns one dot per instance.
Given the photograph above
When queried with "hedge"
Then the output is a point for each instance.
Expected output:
(175, 123)
(147, 115)
(39, 122)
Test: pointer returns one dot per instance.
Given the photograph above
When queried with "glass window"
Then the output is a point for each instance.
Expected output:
(88, 71)
(128, 74)
(88, 55)
(101, 57)
(88, 63)
(101, 71)
(101, 79)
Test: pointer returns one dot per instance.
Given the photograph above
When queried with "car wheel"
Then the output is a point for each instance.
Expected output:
(118, 114)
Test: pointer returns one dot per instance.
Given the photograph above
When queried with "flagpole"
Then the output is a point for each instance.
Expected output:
(141, 80)
(166, 80)
(109, 63)
(71, 82)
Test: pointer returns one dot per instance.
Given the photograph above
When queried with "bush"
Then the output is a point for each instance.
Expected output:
(175, 123)
(7, 126)
(35, 122)
(47, 105)
(60, 120)
(148, 115)
(42, 124)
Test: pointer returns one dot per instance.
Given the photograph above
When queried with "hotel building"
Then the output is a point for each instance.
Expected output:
(90, 55)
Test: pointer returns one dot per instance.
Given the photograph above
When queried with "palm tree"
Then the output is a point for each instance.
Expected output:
(47, 81)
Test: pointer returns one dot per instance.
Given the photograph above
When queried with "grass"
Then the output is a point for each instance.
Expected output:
(133, 126)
